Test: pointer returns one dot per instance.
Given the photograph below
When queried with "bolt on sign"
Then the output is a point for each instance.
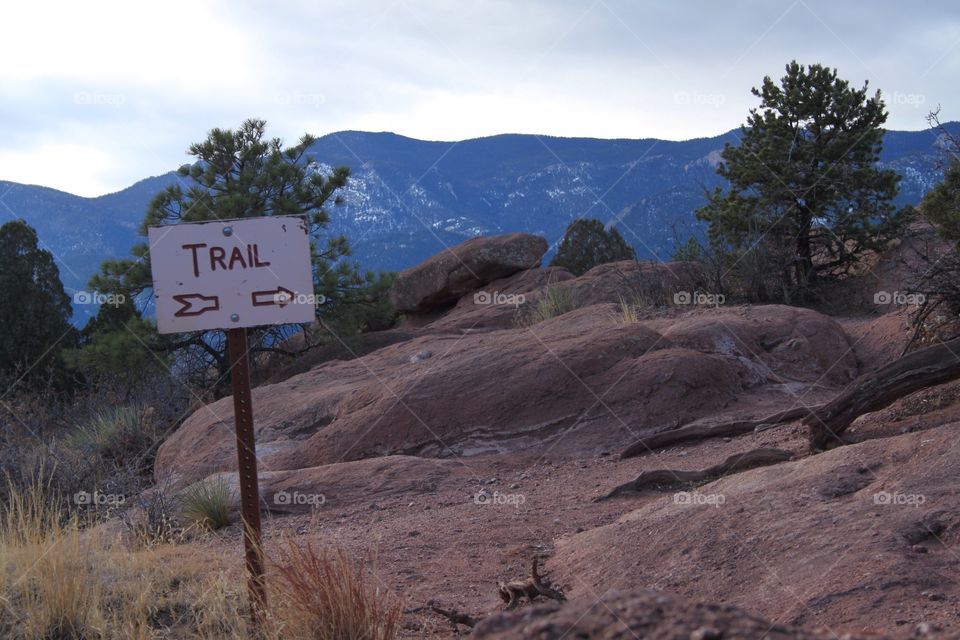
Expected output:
(237, 273)
(232, 275)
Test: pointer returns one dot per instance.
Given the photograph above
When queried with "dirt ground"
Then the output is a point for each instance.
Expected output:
(802, 543)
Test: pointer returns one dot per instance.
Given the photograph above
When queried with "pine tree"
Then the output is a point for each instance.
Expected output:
(240, 174)
(34, 310)
(941, 205)
(587, 243)
(115, 345)
(804, 181)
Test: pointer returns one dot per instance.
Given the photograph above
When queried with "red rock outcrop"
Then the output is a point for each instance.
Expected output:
(440, 281)
(585, 378)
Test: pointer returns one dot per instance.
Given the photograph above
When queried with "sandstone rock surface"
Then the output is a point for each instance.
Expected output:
(440, 281)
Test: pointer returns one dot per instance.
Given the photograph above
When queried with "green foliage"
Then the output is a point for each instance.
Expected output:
(690, 251)
(34, 310)
(115, 344)
(552, 301)
(358, 302)
(586, 243)
(804, 186)
(941, 205)
(207, 503)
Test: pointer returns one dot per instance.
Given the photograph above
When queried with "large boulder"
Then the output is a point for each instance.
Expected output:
(461, 391)
(440, 281)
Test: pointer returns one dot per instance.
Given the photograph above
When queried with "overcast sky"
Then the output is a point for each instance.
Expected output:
(96, 95)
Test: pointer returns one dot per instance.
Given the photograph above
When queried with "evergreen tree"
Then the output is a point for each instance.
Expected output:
(34, 310)
(941, 205)
(587, 243)
(116, 344)
(804, 185)
(690, 251)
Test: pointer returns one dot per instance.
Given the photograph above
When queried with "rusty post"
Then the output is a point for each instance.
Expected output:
(247, 464)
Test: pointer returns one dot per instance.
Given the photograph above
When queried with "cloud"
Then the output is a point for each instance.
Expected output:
(80, 169)
(124, 88)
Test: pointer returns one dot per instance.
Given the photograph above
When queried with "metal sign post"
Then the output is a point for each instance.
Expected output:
(247, 466)
(231, 275)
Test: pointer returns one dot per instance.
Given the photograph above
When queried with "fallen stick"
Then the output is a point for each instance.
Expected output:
(455, 617)
(512, 593)
(668, 479)
(702, 430)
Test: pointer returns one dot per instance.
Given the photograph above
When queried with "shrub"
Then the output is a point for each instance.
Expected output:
(207, 503)
(936, 264)
(156, 520)
(104, 438)
(587, 243)
(115, 433)
(328, 595)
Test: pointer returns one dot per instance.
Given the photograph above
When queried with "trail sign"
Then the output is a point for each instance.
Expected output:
(232, 275)
(235, 273)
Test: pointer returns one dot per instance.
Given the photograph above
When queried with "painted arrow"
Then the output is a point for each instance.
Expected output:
(281, 297)
(195, 304)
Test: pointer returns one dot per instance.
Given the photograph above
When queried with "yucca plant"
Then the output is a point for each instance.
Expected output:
(113, 433)
(207, 503)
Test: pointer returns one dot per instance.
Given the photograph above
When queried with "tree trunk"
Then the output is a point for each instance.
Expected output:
(804, 259)
(709, 428)
(882, 387)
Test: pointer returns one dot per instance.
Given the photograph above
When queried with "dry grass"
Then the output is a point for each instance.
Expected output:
(328, 595)
(58, 580)
(552, 301)
(627, 313)
(61, 581)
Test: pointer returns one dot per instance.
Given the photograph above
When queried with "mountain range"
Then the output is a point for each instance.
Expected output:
(408, 199)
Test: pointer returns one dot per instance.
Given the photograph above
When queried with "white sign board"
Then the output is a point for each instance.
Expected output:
(234, 273)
